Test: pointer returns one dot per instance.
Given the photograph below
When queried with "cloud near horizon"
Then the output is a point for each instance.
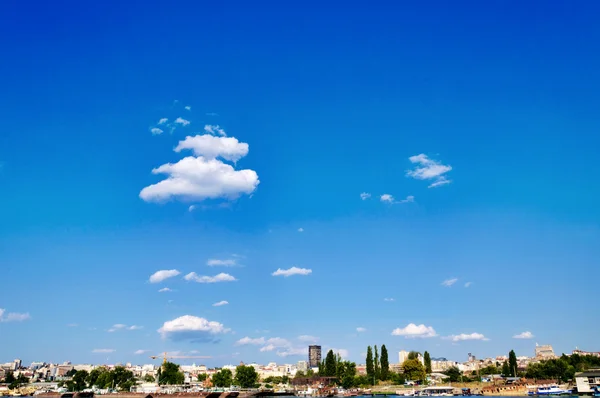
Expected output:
(415, 331)
(292, 271)
(222, 277)
(465, 337)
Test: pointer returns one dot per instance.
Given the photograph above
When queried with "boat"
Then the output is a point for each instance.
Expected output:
(437, 392)
(596, 392)
(550, 390)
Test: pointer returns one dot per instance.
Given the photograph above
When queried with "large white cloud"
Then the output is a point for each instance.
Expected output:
(161, 275)
(429, 169)
(222, 277)
(211, 147)
(413, 331)
(292, 271)
(193, 328)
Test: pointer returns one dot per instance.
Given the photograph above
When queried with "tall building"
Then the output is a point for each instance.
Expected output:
(544, 352)
(314, 356)
(402, 356)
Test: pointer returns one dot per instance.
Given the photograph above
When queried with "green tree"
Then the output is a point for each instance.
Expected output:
(16, 382)
(347, 375)
(299, 375)
(79, 380)
(512, 363)
(246, 376)
(414, 370)
(370, 367)
(93, 376)
(413, 355)
(454, 374)
(149, 378)
(202, 377)
(505, 369)
(385, 364)
(330, 367)
(397, 378)
(310, 373)
(71, 373)
(427, 360)
(171, 374)
(376, 366)
(223, 378)
(489, 370)
(9, 378)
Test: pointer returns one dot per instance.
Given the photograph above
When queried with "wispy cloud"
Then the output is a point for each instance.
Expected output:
(163, 120)
(156, 131)
(72, 325)
(344, 353)
(389, 299)
(215, 129)
(308, 339)
(250, 341)
(449, 282)
(365, 196)
(192, 208)
(387, 198)
(121, 326)
(188, 108)
(465, 337)
(182, 121)
(361, 330)
(467, 284)
(215, 262)
(13, 316)
(103, 350)
(300, 229)
(222, 277)
(292, 271)
(161, 275)
(429, 169)
(220, 303)
(164, 290)
(524, 335)
(141, 352)
(415, 331)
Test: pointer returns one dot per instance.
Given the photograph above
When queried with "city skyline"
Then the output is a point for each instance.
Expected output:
(241, 181)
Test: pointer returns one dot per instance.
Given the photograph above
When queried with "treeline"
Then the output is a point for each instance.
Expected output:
(14, 382)
(245, 377)
(563, 368)
(118, 378)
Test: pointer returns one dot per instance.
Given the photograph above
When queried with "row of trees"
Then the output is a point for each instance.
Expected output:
(14, 382)
(563, 368)
(118, 378)
(245, 377)
(378, 368)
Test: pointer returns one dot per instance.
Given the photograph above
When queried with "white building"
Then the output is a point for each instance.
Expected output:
(544, 352)
(587, 381)
(402, 356)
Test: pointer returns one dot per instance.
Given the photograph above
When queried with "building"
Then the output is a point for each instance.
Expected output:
(587, 381)
(314, 356)
(544, 352)
(302, 366)
(441, 366)
(579, 352)
(402, 356)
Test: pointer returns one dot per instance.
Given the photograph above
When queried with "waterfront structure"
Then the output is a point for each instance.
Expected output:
(587, 381)
(544, 352)
(314, 356)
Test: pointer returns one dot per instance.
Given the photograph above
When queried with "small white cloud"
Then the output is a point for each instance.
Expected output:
(292, 271)
(220, 303)
(267, 348)
(135, 327)
(103, 350)
(342, 351)
(300, 229)
(165, 290)
(415, 331)
(156, 131)
(387, 198)
(250, 341)
(468, 284)
(429, 169)
(161, 275)
(215, 262)
(163, 120)
(409, 199)
(389, 299)
(365, 196)
(192, 328)
(13, 316)
(308, 339)
(222, 277)
(140, 352)
(524, 335)
(182, 121)
(215, 130)
(115, 327)
(192, 208)
(188, 108)
(449, 282)
(465, 337)
(361, 330)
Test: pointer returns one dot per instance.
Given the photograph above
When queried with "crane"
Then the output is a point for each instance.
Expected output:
(165, 357)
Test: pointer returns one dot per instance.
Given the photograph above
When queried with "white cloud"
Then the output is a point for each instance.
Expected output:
(468, 284)
(292, 351)
(182, 121)
(156, 131)
(13, 316)
(465, 337)
(308, 339)
(215, 262)
(192, 328)
(267, 348)
(386, 197)
(412, 331)
(198, 178)
(220, 303)
(300, 229)
(140, 352)
(103, 350)
(524, 335)
(389, 299)
(192, 208)
(121, 326)
(161, 275)
(292, 271)
(409, 199)
(449, 282)
(222, 277)
(342, 351)
(165, 290)
(365, 196)
(188, 108)
(211, 147)
(361, 330)
(250, 341)
(135, 327)
(429, 169)
(163, 120)
(215, 129)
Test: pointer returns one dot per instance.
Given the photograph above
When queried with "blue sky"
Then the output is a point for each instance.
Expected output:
(495, 104)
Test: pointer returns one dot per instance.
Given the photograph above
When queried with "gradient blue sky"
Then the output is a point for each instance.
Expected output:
(333, 101)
